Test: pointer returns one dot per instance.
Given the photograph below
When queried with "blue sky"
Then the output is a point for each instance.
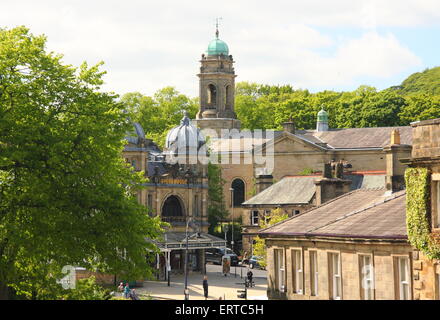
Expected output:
(423, 41)
(313, 44)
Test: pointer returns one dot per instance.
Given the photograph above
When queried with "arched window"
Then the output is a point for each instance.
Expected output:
(238, 186)
(226, 98)
(212, 95)
(172, 207)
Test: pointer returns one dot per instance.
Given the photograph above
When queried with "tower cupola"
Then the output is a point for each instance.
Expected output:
(217, 47)
(217, 88)
(322, 121)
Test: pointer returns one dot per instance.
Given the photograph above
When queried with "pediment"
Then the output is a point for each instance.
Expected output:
(288, 142)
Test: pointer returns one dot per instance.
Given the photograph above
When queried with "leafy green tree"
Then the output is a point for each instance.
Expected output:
(251, 112)
(369, 108)
(66, 195)
(87, 289)
(216, 205)
(295, 107)
(160, 113)
(427, 82)
(420, 106)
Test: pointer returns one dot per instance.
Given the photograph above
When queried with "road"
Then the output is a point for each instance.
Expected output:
(219, 285)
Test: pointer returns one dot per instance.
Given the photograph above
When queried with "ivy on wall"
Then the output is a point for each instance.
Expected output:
(417, 212)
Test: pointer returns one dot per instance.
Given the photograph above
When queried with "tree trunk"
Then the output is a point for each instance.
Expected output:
(4, 292)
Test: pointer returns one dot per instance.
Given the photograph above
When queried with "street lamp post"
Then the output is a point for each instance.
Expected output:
(188, 176)
(169, 268)
(232, 214)
(186, 293)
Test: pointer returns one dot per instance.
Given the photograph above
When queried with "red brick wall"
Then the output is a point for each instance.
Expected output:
(101, 278)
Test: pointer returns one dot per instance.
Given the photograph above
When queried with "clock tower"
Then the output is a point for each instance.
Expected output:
(217, 88)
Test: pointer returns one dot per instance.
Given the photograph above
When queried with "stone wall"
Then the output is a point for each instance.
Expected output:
(382, 257)
(426, 153)
(289, 210)
(426, 139)
(426, 276)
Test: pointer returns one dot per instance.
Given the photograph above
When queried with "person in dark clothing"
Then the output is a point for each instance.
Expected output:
(249, 276)
(205, 286)
(133, 295)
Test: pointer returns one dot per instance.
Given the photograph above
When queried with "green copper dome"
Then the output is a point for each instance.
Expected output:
(217, 47)
(322, 116)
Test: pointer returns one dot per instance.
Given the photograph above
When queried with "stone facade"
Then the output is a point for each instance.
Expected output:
(426, 273)
(250, 230)
(217, 93)
(291, 156)
(383, 255)
(426, 139)
(188, 183)
(426, 153)
(293, 150)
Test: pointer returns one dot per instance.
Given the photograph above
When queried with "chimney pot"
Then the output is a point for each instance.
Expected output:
(327, 172)
(395, 137)
(263, 181)
(289, 127)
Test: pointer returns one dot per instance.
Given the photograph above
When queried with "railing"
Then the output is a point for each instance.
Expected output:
(180, 219)
(174, 219)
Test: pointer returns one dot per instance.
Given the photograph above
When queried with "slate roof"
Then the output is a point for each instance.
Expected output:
(366, 181)
(301, 189)
(289, 190)
(134, 139)
(363, 213)
(178, 237)
(334, 139)
(362, 137)
(178, 240)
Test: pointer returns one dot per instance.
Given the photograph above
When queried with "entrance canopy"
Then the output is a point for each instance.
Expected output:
(177, 241)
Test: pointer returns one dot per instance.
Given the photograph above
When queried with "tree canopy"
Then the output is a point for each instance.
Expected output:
(159, 113)
(427, 82)
(66, 195)
(267, 107)
(217, 211)
(260, 106)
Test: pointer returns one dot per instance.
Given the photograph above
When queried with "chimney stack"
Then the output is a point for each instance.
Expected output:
(395, 170)
(395, 137)
(327, 172)
(289, 126)
(328, 187)
(263, 182)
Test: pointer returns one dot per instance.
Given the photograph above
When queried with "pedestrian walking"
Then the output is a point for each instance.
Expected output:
(226, 265)
(121, 288)
(249, 276)
(126, 291)
(205, 286)
(133, 295)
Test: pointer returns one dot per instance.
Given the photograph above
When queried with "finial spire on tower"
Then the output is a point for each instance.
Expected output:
(216, 26)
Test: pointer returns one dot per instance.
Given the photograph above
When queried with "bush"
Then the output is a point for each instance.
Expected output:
(87, 289)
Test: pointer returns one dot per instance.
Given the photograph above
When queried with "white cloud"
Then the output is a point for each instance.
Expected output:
(372, 55)
(149, 44)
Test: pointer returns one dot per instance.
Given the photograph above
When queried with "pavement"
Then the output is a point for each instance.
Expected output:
(219, 285)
